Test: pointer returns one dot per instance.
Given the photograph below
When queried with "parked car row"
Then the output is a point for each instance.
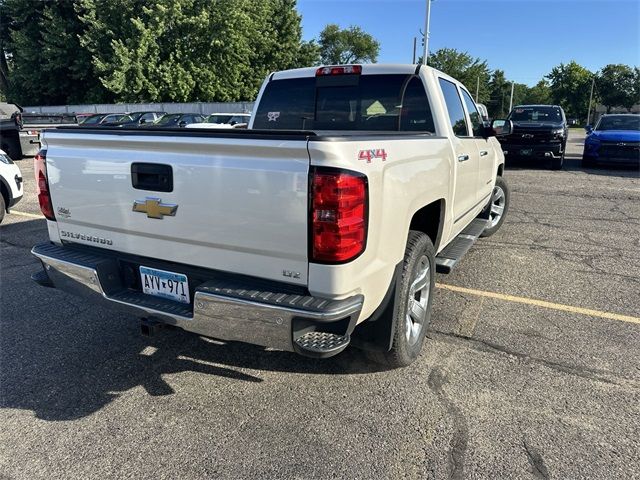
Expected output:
(165, 120)
(540, 132)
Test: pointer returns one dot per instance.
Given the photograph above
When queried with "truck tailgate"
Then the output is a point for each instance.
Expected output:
(241, 202)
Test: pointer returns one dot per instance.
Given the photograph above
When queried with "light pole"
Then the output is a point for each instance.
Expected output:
(414, 50)
(593, 82)
(425, 53)
(511, 99)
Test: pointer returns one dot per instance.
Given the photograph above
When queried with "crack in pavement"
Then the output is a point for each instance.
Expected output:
(536, 461)
(583, 372)
(460, 438)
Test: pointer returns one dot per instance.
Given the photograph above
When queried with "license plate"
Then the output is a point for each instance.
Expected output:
(526, 152)
(160, 283)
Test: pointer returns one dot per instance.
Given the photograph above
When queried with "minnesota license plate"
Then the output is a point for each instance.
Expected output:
(526, 152)
(160, 283)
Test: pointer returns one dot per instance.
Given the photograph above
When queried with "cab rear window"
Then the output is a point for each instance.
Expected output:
(351, 102)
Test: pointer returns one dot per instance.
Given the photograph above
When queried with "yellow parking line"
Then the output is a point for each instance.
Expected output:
(25, 214)
(541, 303)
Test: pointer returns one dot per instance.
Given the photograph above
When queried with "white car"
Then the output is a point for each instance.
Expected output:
(10, 184)
(224, 120)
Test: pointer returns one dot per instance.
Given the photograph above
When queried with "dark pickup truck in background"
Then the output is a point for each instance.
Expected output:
(10, 125)
(539, 132)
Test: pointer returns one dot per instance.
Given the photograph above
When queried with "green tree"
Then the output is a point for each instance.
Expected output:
(274, 43)
(570, 85)
(617, 86)
(350, 45)
(309, 54)
(20, 35)
(190, 50)
(46, 63)
(499, 91)
(464, 68)
(539, 94)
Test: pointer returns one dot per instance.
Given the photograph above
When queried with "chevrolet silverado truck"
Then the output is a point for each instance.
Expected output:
(539, 133)
(319, 226)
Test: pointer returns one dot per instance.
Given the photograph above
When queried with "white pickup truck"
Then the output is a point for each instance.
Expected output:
(321, 225)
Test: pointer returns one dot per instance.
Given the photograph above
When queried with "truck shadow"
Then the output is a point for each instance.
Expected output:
(64, 359)
(69, 376)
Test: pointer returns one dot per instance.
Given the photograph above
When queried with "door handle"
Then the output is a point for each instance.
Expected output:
(483, 153)
(463, 158)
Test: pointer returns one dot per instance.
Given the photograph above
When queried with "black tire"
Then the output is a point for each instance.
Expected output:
(3, 208)
(407, 342)
(556, 163)
(588, 162)
(491, 212)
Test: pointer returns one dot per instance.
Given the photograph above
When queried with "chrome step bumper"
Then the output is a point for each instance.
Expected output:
(224, 309)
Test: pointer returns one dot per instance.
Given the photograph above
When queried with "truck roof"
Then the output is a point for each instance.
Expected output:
(536, 105)
(367, 68)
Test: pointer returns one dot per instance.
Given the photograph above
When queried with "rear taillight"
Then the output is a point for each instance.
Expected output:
(42, 182)
(339, 205)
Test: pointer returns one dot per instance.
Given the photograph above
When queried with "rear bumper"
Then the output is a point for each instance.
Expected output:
(227, 309)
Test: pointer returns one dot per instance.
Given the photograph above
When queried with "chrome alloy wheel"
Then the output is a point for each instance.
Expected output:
(498, 201)
(418, 300)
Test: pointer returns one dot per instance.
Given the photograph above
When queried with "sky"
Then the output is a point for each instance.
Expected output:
(525, 38)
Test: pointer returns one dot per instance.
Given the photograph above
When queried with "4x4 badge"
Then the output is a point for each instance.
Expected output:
(154, 208)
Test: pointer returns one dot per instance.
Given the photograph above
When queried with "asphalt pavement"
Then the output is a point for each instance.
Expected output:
(531, 368)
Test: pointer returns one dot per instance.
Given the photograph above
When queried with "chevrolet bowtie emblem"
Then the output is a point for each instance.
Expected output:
(154, 208)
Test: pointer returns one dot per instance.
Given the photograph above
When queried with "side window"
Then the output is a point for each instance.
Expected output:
(454, 107)
(148, 117)
(415, 115)
(476, 119)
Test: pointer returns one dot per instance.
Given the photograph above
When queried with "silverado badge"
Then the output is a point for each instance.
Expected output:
(154, 208)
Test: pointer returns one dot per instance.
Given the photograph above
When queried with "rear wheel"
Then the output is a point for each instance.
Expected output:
(497, 207)
(412, 309)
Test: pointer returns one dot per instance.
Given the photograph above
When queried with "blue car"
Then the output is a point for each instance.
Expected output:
(614, 141)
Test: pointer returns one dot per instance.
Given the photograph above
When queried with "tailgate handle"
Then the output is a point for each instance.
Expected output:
(152, 176)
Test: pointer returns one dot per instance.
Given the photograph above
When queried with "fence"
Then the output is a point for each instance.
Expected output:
(195, 107)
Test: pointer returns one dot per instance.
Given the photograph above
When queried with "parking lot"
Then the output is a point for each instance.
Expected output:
(531, 367)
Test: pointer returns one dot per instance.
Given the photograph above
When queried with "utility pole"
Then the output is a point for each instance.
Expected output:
(414, 50)
(511, 100)
(425, 53)
(477, 89)
(593, 82)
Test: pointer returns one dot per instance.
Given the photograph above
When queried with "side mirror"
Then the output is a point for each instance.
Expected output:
(500, 128)
(142, 120)
(588, 129)
(182, 123)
